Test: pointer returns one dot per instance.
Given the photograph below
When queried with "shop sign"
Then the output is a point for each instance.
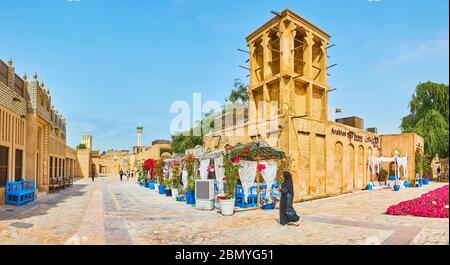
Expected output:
(352, 136)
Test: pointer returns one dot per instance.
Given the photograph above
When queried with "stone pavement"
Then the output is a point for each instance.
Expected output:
(113, 212)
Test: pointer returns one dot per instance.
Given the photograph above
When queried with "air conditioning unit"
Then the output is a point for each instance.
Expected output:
(204, 194)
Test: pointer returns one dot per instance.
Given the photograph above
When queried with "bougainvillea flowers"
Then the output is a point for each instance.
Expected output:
(433, 204)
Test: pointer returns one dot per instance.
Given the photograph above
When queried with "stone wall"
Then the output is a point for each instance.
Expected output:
(29, 122)
(406, 144)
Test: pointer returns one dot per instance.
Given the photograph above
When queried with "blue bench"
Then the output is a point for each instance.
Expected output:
(252, 199)
(20, 192)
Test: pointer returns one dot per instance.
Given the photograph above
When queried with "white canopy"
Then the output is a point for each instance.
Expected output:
(374, 163)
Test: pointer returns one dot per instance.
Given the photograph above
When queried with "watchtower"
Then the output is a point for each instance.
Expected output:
(288, 73)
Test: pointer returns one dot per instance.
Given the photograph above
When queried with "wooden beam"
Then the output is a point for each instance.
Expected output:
(275, 13)
(241, 50)
(332, 66)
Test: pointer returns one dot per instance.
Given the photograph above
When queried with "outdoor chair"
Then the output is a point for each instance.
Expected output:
(252, 199)
(239, 196)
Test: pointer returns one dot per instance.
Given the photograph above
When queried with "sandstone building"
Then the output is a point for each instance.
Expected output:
(32, 133)
(112, 161)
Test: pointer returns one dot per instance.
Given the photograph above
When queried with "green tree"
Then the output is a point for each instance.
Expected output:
(182, 142)
(81, 146)
(429, 117)
(239, 93)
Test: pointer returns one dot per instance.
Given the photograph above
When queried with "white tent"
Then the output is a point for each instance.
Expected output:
(375, 165)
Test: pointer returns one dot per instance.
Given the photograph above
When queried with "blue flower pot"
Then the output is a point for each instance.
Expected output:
(391, 177)
(168, 193)
(369, 187)
(146, 184)
(190, 197)
(426, 181)
(420, 182)
(151, 185)
(180, 199)
(162, 189)
(406, 183)
(396, 187)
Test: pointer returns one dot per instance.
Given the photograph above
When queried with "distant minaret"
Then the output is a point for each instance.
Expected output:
(139, 135)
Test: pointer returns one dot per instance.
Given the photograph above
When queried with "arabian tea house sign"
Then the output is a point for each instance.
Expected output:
(352, 136)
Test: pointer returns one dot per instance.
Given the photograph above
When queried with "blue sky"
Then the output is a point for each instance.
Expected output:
(111, 64)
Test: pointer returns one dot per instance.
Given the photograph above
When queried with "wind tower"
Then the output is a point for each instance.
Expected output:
(288, 77)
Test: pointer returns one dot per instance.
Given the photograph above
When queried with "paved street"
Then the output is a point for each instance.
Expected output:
(113, 212)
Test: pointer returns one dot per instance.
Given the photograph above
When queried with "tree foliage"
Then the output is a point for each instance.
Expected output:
(182, 142)
(429, 117)
(81, 146)
(239, 93)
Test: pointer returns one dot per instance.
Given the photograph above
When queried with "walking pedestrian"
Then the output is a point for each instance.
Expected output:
(93, 174)
(121, 174)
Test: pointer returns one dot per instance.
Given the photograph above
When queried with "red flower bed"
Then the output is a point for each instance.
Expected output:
(433, 204)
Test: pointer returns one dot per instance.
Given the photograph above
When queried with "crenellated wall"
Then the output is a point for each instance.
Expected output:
(32, 132)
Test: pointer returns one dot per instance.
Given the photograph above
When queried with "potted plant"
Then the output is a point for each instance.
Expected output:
(406, 184)
(392, 173)
(269, 204)
(180, 196)
(175, 178)
(168, 187)
(159, 166)
(397, 185)
(426, 167)
(141, 178)
(426, 180)
(190, 192)
(231, 170)
(148, 169)
(382, 177)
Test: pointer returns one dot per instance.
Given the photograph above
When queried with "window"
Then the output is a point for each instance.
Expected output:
(3, 166)
(18, 165)
(60, 168)
(51, 167)
(56, 167)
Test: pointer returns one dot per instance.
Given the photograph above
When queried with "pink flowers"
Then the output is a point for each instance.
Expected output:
(434, 204)
(236, 160)
(261, 167)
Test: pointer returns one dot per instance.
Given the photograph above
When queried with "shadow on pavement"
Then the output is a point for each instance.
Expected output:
(42, 205)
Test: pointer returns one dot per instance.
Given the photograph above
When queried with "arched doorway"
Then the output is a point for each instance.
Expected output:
(351, 168)
(370, 171)
(339, 165)
(361, 168)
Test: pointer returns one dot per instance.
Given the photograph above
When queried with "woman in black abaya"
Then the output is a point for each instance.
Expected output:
(287, 211)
